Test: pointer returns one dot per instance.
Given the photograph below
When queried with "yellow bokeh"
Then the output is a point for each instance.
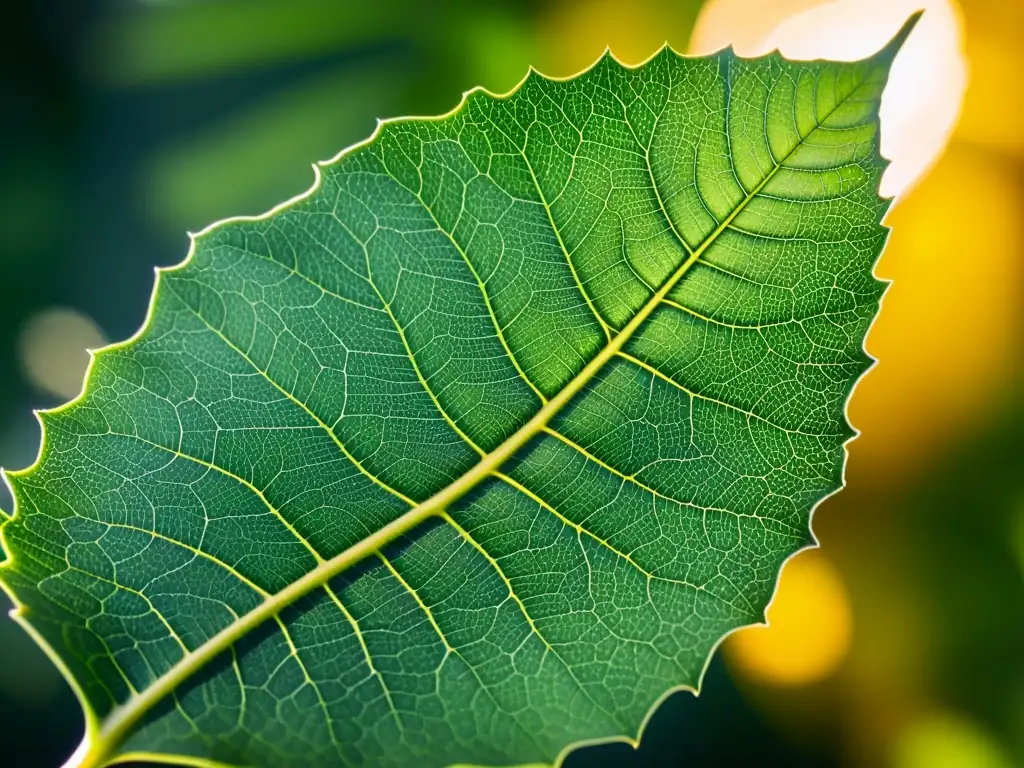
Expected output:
(53, 347)
(991, 117)
(949, 331)
(574, 33)
(946, 740)
(810, 627)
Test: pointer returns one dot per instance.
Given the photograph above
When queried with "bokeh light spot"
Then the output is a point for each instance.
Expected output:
(946, 740)
(810, 627)
(990, 119)
(53, 350)
(948, 336)
(574, 33)
(929, 76)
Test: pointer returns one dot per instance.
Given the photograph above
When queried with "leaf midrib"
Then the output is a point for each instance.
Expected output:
(123, 717)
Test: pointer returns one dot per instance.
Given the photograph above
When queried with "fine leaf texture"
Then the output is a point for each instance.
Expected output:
(478, 449)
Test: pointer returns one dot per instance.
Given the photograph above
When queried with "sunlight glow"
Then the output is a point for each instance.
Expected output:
(573, 33)
(810, 627)
(920, 397)
(52, 350)
(929, 76)
(946, 740)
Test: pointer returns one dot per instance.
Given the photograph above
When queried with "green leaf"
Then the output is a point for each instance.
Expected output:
(479, 448)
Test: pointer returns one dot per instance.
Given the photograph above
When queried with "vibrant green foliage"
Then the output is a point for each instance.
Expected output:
(473, 452)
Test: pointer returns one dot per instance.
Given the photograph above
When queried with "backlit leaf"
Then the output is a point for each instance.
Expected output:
(479, 448)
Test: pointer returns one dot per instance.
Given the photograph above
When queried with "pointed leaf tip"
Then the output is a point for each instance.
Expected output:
(888, 53)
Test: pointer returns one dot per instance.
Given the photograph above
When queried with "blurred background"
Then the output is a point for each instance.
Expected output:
(126, 124)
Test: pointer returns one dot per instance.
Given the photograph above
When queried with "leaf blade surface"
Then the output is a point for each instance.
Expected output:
(474, 451)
